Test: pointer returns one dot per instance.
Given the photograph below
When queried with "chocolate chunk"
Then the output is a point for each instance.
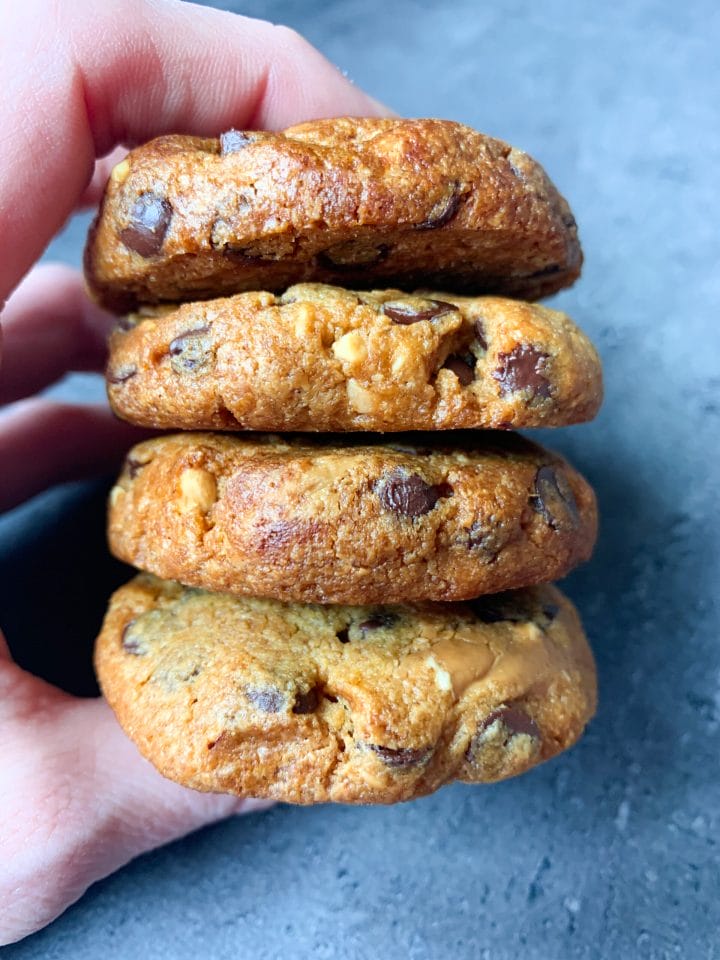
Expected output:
(284, 534)
(402, 757)
(569, 221)
(516, 170)
(550, 610)
(149, 221)
(121, 375)
(523, 369)
(408, 495)
(306, 702)
(233, 141)
(487, 538)
(131, 644)
(133, 466)
(442, 212)
(514, 722)
(343, 635)
(190, 352)
(267, 699)
(498, 608)
(480, 335)
(351, 256)
(127, 322)
(378, 621)
(462, 366)
(547, 271)
(554, 499)
(400, 311)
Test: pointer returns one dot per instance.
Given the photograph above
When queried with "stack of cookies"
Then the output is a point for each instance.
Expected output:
(340, 606)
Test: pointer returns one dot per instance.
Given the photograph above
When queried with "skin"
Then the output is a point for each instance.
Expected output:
(76, 799)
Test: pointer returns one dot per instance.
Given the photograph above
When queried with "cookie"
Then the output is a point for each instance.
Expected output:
(357, 202)
(352, 704)
(351, 519)
(325, 358)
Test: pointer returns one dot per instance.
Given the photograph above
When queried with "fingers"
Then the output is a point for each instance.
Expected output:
(43, 442)
(94, 190)
(92, 75)
(78, 801)
(49, 326)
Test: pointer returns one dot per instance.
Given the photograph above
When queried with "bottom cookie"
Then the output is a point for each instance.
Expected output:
(307, 703)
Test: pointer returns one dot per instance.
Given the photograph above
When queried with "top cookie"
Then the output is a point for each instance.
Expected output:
(357, 202)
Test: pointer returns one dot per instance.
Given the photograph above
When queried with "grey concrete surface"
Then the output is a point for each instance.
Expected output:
(612, 850)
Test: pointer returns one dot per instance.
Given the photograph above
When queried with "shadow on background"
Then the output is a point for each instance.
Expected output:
(56, 576)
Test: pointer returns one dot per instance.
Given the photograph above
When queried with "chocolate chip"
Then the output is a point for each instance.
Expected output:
(378, 621)
(131, 644)
(121, 375)
(550, 610)
(480, 334)
(267, 699)
(487, 538)
(126, 322)
(400, 311)
(462, 366)
(402, 757)
(546, 271)
(554, 499)
(523, 369)
(343, 635)
(350, 256)
(514, 722)
(499, 608)
(442, 212)
(569, 221)
(190, 352)
(306, 702)
(516, 170)
(408, 495)
(149, 221)
(133, 466)
(233, 141)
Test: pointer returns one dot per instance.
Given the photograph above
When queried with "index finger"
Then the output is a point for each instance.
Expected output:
(86, 76)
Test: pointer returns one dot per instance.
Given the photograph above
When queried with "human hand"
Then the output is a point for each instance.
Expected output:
(76, 799)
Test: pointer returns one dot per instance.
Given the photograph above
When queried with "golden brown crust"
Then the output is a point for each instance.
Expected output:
(352, 704)
(356, 202)
(350, 519)
(326, 358)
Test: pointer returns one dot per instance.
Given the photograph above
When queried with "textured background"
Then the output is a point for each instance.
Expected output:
(612, 850)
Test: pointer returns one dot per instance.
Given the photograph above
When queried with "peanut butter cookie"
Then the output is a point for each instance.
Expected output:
(350, 518)
(357, 202)
(352, 704)
(325, 358)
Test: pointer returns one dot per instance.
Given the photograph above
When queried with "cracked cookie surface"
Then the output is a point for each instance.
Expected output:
(351, 519)
(324, 358)
(357, 202)
(307, 704)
